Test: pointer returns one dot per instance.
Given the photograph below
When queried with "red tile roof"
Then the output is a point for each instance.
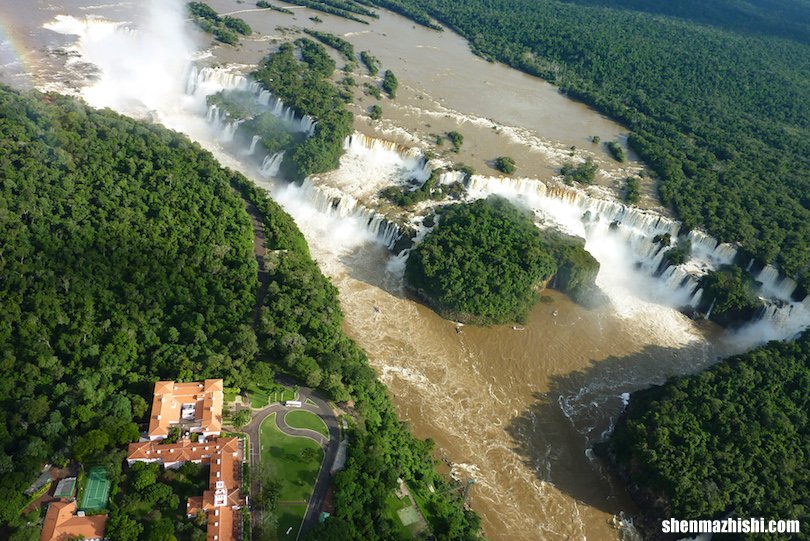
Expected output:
(61, 523)
(204, 398)
(224, 495)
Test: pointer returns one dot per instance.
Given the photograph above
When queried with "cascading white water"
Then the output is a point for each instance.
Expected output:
(332, 202)
(629, 265)
(781, 287)
(706, 248)
(451, 177)
(206, 81)
(253, 143)
(368, 165)
(272, 164)
(146, 83)
(229, 131)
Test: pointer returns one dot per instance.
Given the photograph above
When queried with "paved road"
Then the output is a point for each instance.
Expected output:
(260, 252)
(330, 446)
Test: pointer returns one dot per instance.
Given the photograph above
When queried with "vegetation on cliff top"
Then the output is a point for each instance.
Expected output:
(127, 259)
(732, 440)
(482, 263)
(305, 86)
(300, 332)
(729, 295)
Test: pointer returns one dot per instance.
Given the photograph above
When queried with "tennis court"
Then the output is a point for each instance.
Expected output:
(97, 490)
(65, 488)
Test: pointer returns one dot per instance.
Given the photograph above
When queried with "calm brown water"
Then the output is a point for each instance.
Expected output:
(513, 410)
(444, 87)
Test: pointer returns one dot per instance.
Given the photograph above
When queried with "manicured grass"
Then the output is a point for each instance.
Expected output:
(263, 396)
(392, 505)
(306, 419)
(289, 516)
(285, 453)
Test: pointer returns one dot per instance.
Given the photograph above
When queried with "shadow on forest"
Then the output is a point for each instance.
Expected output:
(553, 435)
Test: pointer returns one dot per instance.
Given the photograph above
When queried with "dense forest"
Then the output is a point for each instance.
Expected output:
(129, 259)
(732, 440)
(715, 96)
(482, 263)
(126, 258)
(485, 260)
(305, 85)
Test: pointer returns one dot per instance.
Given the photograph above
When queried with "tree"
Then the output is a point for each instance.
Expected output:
(632, 192)
(390, 84)
(482, 263)
(241, 418)
(456, 139)
(90, 444)
(584, 173)
(616, 151)
(375, 112)
(122, 527)
(505, 164)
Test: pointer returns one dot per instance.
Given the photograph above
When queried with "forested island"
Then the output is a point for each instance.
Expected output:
(731, 441)
(733, 158)
(305, 86)
(486, 260)
(128, 259)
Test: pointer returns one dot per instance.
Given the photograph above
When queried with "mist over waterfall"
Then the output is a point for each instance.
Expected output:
(140, 63)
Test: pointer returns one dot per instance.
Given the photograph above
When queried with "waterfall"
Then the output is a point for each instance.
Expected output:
(207, 81)
(451, 177)
(619, 236)
(707, 248)
(600, 222)
(272, 164)
(361, 140)
(775, 285)
(253, 142)
(709, 311)
(368, 165)
(333, 202)
(229, 131)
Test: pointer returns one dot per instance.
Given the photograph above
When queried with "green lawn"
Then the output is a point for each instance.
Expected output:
(263, 396)
(289, 516)
(394, 504)
(296, 475)
(306, 419)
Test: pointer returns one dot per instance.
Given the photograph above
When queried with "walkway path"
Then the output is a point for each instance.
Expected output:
(259, 251)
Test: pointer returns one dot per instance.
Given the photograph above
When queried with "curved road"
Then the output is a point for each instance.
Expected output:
(330, 447)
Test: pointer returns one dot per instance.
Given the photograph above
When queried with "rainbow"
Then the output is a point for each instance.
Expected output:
(13, 46)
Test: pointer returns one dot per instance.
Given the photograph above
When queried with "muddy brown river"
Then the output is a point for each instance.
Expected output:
(513, 410)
